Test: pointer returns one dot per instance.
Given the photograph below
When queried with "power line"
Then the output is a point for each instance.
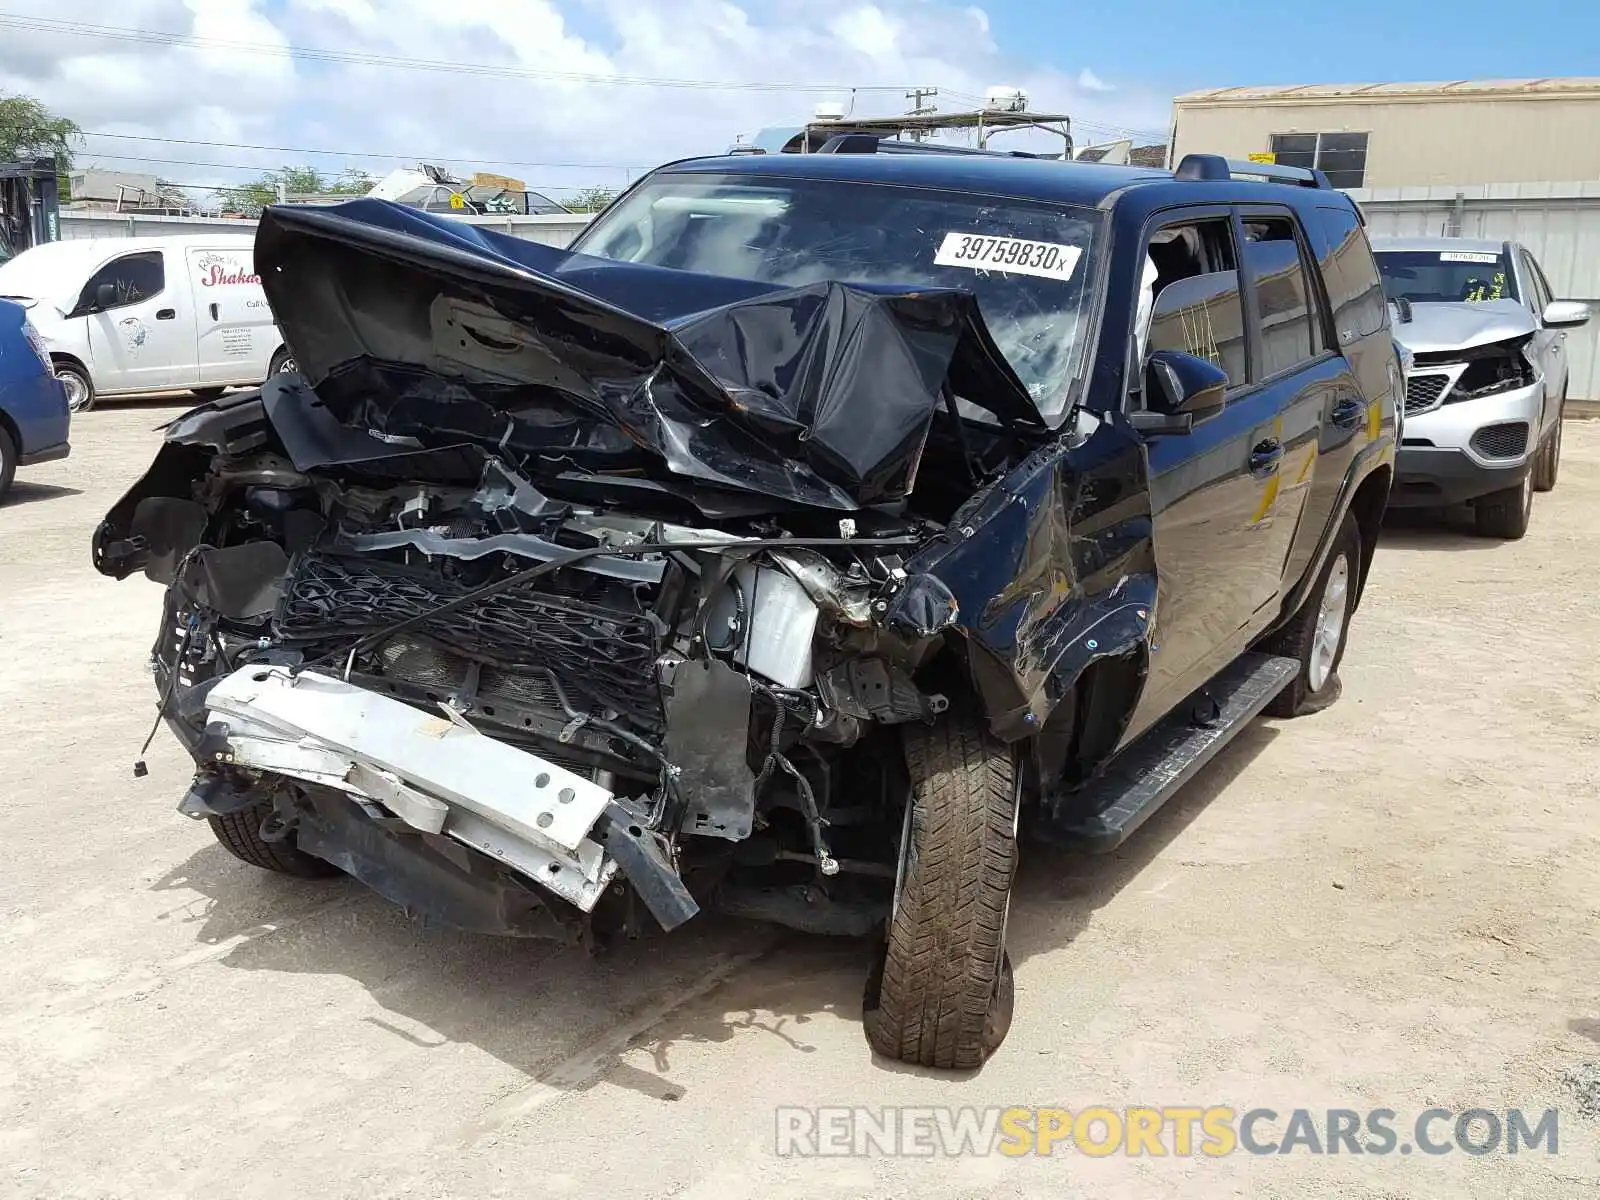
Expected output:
(495, 162)
(360, 58)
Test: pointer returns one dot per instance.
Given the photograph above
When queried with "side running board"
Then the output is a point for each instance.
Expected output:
(1146, 774)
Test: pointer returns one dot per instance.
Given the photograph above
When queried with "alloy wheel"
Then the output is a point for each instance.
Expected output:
(1330, 624)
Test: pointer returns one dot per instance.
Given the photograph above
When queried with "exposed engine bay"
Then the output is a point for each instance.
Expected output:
(539, 616)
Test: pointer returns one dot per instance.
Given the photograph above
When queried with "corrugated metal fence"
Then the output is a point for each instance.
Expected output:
(552, 231)
(1558, 222)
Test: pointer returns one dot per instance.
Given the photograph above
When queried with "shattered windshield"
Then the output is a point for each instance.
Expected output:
(1028, 264)
(1446, 276)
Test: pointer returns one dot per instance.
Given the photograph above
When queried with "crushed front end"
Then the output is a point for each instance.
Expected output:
(541, 618)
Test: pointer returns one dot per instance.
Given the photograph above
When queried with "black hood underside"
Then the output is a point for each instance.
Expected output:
(431, 331)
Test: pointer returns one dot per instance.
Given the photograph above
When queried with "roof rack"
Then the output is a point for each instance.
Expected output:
(873, 143)
(1216, 169)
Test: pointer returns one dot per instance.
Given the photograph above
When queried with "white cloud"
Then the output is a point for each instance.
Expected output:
(1090, 82)
(219, 92)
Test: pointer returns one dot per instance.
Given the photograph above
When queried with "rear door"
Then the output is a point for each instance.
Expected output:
(1308, 400)
(142, 338)
(235, 331)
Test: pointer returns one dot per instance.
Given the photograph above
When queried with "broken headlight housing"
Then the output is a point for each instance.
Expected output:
(1485, 370)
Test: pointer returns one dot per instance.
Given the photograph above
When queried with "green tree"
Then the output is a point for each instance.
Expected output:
(29, 130)
(591, 199)
(250, 198)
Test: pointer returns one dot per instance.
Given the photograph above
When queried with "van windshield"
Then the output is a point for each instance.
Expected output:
(1446, 276)
(1029, 265)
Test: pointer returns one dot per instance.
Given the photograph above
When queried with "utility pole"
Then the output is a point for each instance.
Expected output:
(918, 109)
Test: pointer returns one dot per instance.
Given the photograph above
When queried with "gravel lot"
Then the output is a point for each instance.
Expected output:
(1392, 904)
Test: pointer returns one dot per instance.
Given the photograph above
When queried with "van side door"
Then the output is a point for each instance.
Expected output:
(141, 328)
(235, 334)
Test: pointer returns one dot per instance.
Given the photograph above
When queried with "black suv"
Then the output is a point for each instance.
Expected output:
(813, 526)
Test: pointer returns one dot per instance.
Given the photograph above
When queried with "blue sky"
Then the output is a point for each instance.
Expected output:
(617, 85)
(1179, 46)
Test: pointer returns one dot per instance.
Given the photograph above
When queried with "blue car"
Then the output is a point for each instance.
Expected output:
(33, 404)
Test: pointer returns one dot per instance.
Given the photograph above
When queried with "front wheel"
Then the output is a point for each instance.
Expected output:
(1547, 465)
(78, 385)
(240, 835)
(282, 363)
(1505, 514)
(943, 994)
(1315, 636)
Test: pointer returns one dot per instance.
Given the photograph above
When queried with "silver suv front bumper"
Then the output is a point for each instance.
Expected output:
(1453, 453)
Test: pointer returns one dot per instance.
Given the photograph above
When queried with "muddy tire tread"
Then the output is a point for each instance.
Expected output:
(945, 951)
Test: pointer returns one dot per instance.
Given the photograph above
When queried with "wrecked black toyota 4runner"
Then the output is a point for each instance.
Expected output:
(813, 524)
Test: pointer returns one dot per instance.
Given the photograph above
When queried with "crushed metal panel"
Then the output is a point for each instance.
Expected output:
(708, 723)
(538, 800)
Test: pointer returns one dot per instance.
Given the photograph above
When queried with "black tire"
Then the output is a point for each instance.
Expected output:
(942, 993)
(1505, 514)
(281, 362)
(1306, 638)
(77, 383)
(207, 394)
(1547, 466)
(240, 835)
(8, 461)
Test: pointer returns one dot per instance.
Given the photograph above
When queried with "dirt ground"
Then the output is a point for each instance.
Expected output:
(1391, 904)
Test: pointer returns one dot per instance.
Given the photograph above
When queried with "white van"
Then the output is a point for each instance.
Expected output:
(123, 316)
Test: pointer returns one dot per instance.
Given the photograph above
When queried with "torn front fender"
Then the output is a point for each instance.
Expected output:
(1051, 569)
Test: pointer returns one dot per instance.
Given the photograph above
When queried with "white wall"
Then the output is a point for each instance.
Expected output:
(1413, 140)
(551, 231)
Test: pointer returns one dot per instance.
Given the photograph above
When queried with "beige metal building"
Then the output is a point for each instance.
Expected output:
(1388, 135)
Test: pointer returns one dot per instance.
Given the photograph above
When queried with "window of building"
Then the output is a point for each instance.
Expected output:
(1290, 333)
(1340, 156)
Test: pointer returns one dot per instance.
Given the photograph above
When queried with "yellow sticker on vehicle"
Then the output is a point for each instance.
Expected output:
(1268, 158)
(457, 200)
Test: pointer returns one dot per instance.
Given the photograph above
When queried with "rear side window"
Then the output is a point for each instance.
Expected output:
(133, 278)
(1354, 289)
(1289, 328)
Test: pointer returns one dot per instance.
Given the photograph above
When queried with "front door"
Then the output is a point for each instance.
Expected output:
(1549, 345)
(141, 334)
(1224, 511)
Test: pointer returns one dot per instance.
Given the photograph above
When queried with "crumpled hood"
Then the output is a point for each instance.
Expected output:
(420, 326)
(1436, 328)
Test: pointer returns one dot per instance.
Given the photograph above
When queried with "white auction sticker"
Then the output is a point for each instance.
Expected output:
(1008, 255)
(1468, 256)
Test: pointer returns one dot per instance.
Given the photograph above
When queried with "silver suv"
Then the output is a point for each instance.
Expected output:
(1487, 377)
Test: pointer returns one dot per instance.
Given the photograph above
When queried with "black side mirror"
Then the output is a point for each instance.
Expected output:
(1179, 387)
(105, 296)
